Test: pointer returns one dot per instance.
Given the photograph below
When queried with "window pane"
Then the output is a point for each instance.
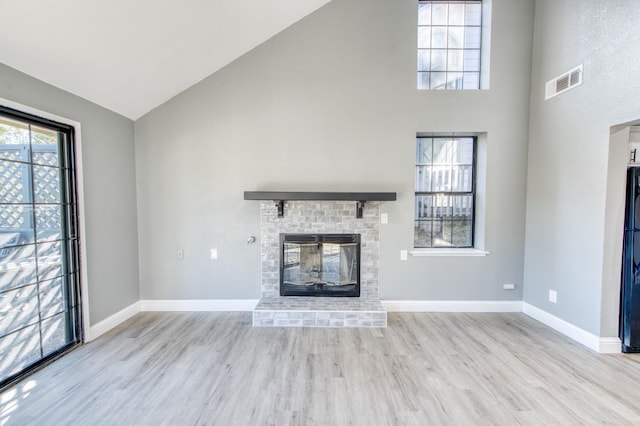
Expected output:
(461, 233)
(461, 207)
(54, 334)
(17, 266)
(463, 151)
(454, 60)
(424, 37)
(16, 224)
(442, 233)
(423, 178)
(15, 182)
(13, 132)
(422, 234)
(15, 153)
(44, 144)
(439, 14)
(438, 60)
(461, 180)
(442, 153)
(456, 14)
(472, 60)
(14, 140)
(49, 222)
(442, 178)
(473, 15)
(424, 14)
(454, 80)
(424, 206)
(19, 350)
(471, 80)
(18, 309)
(46, 182)
(49, 260)
(424, 150)
(455, 39)
(423, 80)
(52, 297)
(439, 37)
(424, 60)
(472, 38)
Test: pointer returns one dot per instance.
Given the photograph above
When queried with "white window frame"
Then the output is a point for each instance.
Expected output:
(478, 248)
(485, 48)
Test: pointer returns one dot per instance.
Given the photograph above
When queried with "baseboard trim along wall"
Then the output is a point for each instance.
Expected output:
(603, 345)
(111, 322)
(609, 345)
(213, 305)
(452, 305)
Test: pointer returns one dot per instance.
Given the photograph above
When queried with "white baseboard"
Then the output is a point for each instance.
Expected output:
(602, 345)
(590, 340)
(610, 345)
(452, 305)
(186, 305)
(113, 321)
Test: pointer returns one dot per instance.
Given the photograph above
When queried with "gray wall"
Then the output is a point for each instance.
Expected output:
(109, 189)
(329, 104)
(569, 246)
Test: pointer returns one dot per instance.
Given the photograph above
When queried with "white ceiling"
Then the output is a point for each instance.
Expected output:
(132, 55)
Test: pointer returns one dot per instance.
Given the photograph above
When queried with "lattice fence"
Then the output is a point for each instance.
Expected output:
(15, 181)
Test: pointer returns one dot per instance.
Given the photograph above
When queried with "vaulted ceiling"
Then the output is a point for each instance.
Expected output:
(132, 55)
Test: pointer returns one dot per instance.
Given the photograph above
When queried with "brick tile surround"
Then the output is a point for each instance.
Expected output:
(320, 217)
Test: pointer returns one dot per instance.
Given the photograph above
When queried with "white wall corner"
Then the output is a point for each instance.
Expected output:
(191, 305)
(593, 342)
(95, 331)
(452, 305)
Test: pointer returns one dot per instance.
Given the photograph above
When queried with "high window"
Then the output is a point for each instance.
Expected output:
(449, 44)
(39, 273)
(445, 192)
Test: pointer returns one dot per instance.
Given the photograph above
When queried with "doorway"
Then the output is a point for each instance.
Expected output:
(40, 310)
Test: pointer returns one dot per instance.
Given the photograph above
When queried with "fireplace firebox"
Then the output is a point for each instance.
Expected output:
(320, 265)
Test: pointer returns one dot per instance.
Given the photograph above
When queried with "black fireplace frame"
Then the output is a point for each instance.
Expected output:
(319, 289)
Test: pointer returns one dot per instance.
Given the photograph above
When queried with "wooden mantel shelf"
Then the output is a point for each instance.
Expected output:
(280, 197)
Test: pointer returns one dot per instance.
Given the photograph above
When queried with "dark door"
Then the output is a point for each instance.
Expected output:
(630, 291)
(39, 274)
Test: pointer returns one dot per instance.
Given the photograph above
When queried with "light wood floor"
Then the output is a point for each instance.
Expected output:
(424, 369)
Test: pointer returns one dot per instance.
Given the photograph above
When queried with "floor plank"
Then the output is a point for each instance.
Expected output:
(425, 368)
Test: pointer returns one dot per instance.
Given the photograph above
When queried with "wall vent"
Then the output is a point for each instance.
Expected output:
(565, 82)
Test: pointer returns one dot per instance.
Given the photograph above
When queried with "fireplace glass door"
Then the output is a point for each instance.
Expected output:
(320, 265)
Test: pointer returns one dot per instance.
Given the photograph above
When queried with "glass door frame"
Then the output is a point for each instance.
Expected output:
(72, 263)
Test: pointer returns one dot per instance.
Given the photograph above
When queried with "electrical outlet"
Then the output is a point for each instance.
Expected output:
(180, 254)
(384, 218)
(403, 255)
(509, 286)
(553, 296)
(214, 253)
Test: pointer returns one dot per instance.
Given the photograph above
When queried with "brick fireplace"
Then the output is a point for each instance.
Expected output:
(319, 217)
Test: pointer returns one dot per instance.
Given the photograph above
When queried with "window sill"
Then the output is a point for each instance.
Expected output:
(448, 252)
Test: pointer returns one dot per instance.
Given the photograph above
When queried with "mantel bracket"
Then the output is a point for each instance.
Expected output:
(359, 207)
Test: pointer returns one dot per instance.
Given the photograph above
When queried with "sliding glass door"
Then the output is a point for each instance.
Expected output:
(39, 263)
